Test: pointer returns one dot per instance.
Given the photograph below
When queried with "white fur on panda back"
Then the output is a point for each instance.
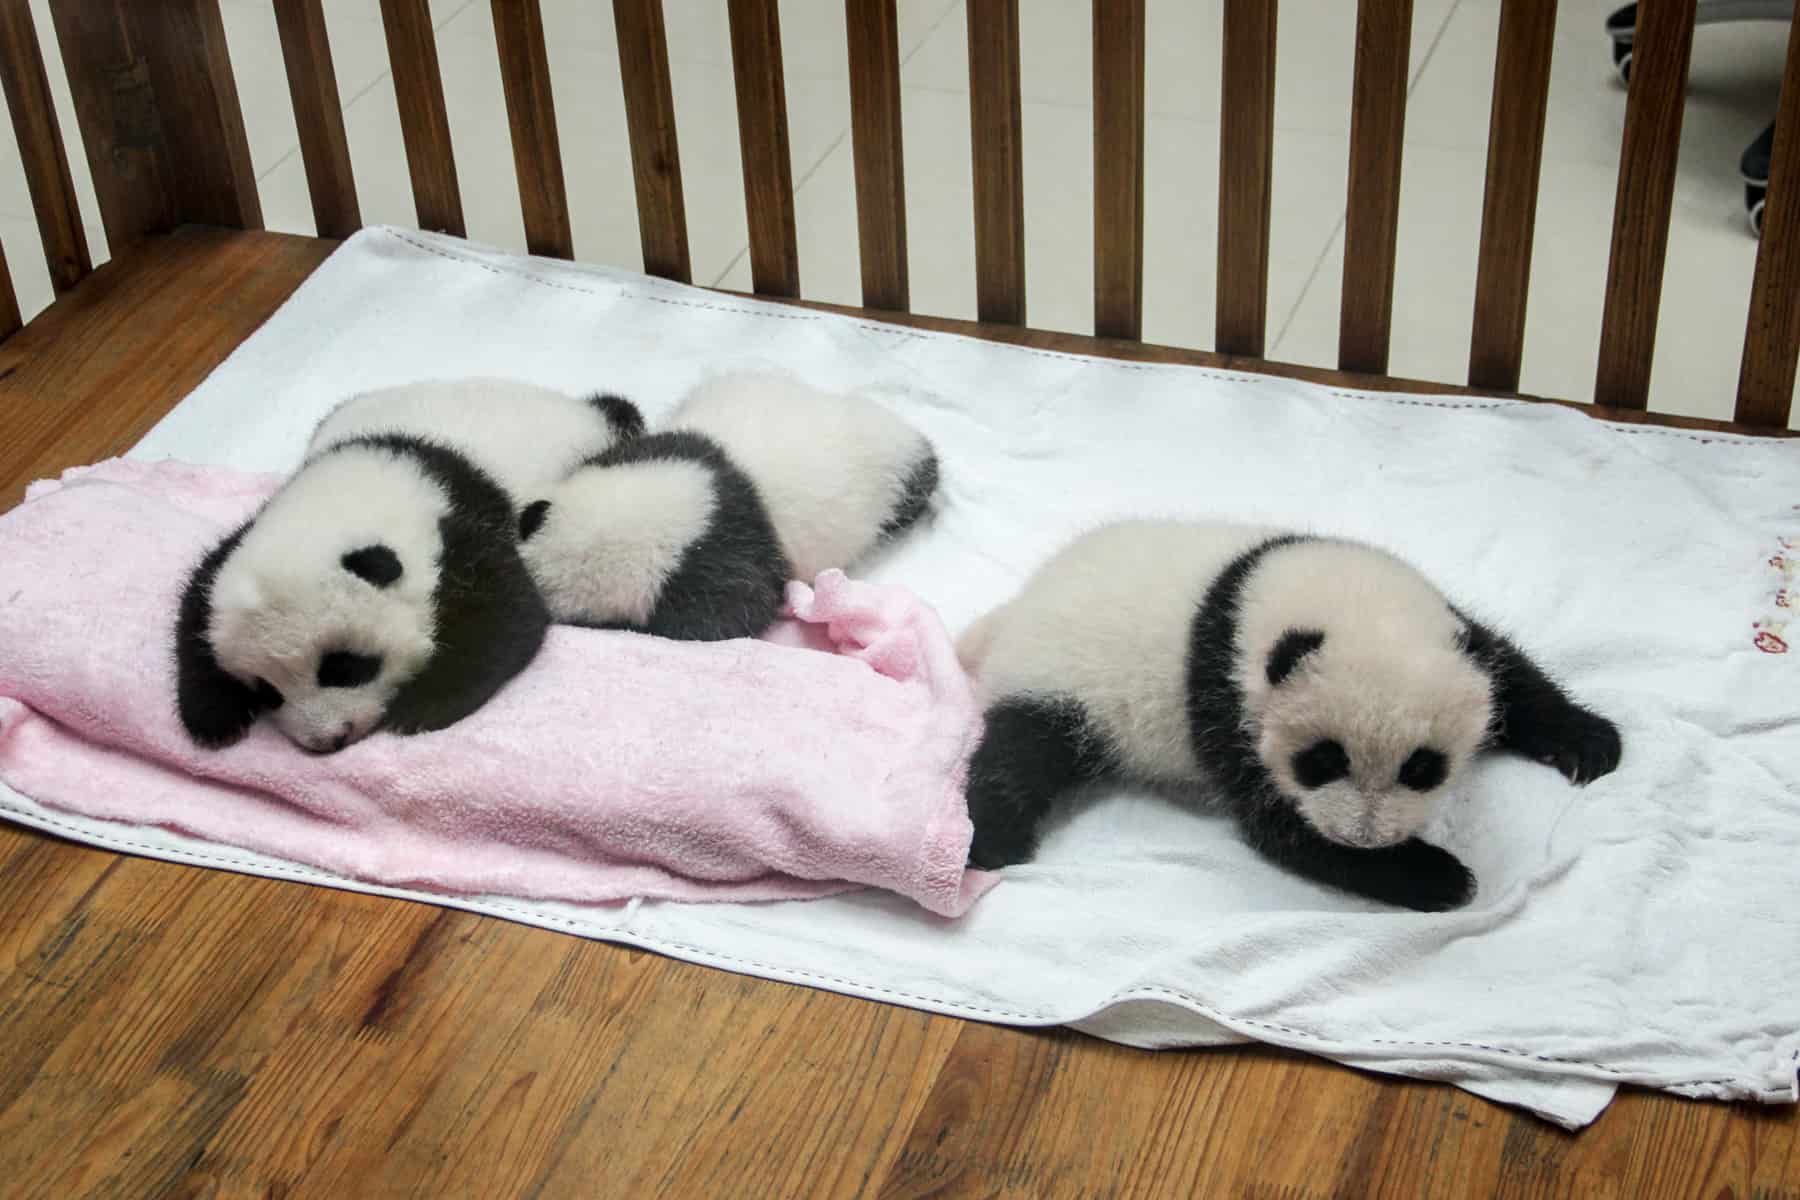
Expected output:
(526, 437)
(830, 468)
(1107, 620)
(614, 535)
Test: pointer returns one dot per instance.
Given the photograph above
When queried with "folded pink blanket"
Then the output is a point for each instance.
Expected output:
(617, 765)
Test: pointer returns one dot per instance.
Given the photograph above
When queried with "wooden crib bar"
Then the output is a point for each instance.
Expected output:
(531, 114)
(1509, 208)
(1246, 160)
(1646, 194)
(1772, 342)
(650, 126)
(318, 116)
(874, 48)
(45, 161)
(1119, 168)
(763, 134)
(159, 119)
(158, 110)
(997, 136)
(1372, 214)
(424, 122)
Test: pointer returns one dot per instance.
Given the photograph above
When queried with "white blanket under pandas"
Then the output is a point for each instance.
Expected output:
(1644, 930)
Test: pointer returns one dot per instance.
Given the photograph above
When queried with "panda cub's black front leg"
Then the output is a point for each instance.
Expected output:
(1413, 874)
(1032, 749)
(1536, 718)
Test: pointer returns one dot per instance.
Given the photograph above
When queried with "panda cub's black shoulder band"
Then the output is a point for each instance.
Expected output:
(1215, 701)
(488, 617)
(731, 581)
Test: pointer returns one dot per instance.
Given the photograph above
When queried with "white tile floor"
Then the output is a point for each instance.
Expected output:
(1735, 77)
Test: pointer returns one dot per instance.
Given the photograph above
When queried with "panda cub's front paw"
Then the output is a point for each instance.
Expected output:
(1424, 878)
(1000, 843)
(1583, 745)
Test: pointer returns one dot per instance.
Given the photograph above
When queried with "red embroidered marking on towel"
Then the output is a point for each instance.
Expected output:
(1770, 634)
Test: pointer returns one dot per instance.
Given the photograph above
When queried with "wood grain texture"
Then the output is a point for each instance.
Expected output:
(1372, 212)
(1246, 162)
(158, 109)
(531, 112)
(650, 125)
(1509, 209)
(997, 139)
(45, 161)
(1119, 168)
(874, 48)
(1772, 336)
(763, 135)
(175, 1031)
(424, 123)
(92, 373)
(10, 320)
(319, 116)
(1645, 197)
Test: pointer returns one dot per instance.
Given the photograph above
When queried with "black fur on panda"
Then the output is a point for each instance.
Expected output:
(380, 587)
(724, 576)
(1326, 692)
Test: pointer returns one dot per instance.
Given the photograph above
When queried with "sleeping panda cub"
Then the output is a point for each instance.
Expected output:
(1328, 692)
(381, 585)
(694, 532)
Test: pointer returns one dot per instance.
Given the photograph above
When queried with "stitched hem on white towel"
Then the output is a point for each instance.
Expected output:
(766, 309)
(1780, 1086)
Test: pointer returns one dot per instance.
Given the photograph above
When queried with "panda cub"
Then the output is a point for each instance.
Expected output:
(1323, 687)
(693, 533)
(381, 585)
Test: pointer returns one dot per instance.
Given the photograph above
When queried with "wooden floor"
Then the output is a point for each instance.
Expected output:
(171, 1031)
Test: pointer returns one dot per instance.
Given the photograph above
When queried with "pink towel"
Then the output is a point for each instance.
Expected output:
(617, 765)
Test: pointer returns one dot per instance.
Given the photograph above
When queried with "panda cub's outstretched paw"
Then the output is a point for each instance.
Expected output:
(1424, 878)
(1583, 745)
(997, 845)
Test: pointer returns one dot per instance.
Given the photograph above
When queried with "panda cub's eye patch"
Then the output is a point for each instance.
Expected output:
(374, 564)
(1321, 763)
(267, 694)
(1424, 769)
(342, 669)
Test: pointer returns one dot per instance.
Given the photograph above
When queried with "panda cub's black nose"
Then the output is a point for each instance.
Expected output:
(343, 737)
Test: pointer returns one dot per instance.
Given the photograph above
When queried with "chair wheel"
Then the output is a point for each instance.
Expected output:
(1754, 199)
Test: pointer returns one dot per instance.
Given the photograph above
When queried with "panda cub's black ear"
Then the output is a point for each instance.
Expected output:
(1292, 647)
(532, 519)
(622, 416)
(376, 564)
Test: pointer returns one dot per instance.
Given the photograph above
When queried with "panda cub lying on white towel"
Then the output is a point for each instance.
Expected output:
(694, 532)
(1327, 690)
(381, 586)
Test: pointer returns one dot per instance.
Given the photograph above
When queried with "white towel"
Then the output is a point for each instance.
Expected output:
(1643, 930)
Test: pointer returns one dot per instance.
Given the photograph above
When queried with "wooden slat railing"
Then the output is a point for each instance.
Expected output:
(319, 117)
(650, 124)
(1246, 159)
(1119, 168)
(1772, 339)
(10, 320)
(158, 110)
(424, 122)
(45, 161)
(996, 128)
(1372, 211)
(763, 135)
(1509, 209)
(1645, 197)
(531, 114)
(874, 48)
